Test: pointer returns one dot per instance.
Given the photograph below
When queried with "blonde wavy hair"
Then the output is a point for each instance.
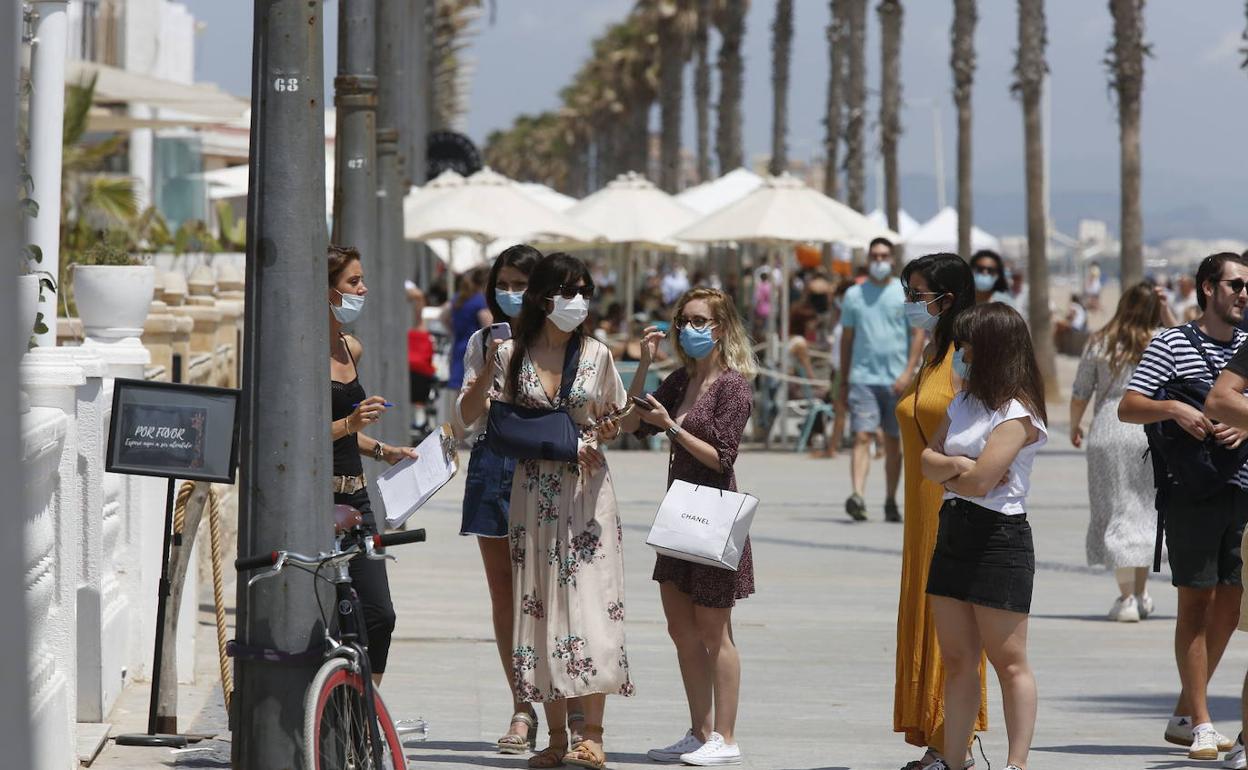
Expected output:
(735, 347)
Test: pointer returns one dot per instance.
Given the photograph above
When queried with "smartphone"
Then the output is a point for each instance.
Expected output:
(642, 403)
(500, 331)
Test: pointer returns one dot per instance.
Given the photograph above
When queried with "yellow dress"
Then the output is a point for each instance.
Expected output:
(918, 699)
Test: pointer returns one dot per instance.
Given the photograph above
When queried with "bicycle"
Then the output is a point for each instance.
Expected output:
(346, 723)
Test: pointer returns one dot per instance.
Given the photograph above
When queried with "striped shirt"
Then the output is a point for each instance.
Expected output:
(1170, 356)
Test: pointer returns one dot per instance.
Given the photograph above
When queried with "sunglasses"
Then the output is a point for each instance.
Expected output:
(1236, 284)
(569, 291)
(986, 270)
(914, 296)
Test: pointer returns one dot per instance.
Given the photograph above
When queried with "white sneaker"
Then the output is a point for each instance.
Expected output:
(1204, 744)
(1179, 732)
(1145, 603)
(1235, 758)
(670, 755)
(713, 752)
(1125, 610)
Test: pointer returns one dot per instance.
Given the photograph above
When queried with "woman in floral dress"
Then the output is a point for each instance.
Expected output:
(703, 407)
(566, 542)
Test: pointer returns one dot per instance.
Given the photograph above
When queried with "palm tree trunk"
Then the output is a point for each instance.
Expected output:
(702, 90)
(638, 158)
(965, 18)
(856, 102)
(1030, 73)
(671, 97)
(834, 120)
(890, 12)
(781, 55)
(730, 19)
(1126, 62)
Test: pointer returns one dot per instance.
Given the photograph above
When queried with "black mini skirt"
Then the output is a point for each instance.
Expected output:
(983, 557)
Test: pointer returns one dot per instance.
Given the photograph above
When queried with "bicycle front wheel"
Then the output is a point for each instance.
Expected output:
(335, 727)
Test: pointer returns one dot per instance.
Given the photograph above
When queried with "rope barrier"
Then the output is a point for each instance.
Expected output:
(218, 595)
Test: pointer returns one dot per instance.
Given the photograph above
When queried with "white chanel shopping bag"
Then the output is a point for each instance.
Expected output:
(703, 524)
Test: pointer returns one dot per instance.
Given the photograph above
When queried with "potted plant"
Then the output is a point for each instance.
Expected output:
(112, 291)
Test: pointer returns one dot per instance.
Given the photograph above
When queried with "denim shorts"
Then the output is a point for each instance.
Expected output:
(487, 492)
(983, 557)
(872, 407)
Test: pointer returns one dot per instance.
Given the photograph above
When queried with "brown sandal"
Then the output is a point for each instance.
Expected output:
(587, 752)
(553, 754)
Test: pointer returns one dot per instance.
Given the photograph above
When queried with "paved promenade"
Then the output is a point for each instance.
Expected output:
(817, 641)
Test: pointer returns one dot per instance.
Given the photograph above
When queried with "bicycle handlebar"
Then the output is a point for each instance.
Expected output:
(279, 558)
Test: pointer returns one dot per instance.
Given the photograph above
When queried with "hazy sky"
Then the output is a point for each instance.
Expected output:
(1195, 132)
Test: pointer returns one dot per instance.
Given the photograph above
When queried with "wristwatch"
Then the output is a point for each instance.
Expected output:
(672, 431)
(379, 451)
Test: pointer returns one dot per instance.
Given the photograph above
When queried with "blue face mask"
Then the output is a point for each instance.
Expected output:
(698, 344)
(918, 317)
(960, 366)
(985, 282)
(509, 301)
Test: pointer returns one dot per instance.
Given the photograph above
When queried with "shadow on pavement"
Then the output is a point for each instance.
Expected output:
(1098, 750)
(1157, 705)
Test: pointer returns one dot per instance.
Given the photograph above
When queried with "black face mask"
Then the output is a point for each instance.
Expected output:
(819, 302)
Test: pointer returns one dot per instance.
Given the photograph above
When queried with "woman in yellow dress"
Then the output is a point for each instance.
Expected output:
(938, 287)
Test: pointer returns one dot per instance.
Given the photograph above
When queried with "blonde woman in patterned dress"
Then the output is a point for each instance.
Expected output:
(1123, 522)
(566, 542)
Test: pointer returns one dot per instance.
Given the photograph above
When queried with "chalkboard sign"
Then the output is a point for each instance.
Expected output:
(173, 431)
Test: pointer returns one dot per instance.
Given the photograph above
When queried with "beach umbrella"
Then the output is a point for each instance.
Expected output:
(940, 234)
(906, 224)
(712, 196)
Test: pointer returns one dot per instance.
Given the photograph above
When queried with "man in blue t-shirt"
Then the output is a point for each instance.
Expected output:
(877, 362)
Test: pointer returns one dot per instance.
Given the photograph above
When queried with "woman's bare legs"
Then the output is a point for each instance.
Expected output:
(691, 655)
(496, 557)
(1004, 636)
(715, 630)
(960, 650)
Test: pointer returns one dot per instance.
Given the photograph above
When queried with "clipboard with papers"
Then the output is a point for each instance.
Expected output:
(409, 484)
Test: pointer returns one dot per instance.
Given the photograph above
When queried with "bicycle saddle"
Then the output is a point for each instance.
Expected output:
(346, 519)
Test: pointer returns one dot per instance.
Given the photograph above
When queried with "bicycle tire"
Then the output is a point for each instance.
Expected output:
(334, 734)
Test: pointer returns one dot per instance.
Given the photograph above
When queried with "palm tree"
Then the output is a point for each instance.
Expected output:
(890, 12)
(781, 55)
(856, 104)
(454, 24)
(730, 21)
(702, 89)
(962, 60)
(1029, 75)
(838, 42)
(1125, 62)
(675, 22)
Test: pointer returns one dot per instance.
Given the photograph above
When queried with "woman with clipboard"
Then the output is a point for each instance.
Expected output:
(353, 410)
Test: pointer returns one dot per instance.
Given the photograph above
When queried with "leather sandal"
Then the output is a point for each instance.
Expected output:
(575, 718)
(520, 744)
(553, 754)
(587, 752)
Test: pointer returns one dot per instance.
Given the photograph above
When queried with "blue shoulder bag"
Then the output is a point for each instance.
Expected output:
(526, 433)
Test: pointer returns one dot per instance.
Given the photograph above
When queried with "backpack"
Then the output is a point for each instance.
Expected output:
(1182, 464)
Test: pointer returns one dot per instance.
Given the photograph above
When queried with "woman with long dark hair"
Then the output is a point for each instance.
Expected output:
(352, 410)
(939, 288)
(984, 564)
(487, 492)
(566, 541)
(1123, 523)
(989, 275)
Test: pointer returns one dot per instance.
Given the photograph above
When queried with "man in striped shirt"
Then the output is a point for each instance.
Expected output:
(1202, 536)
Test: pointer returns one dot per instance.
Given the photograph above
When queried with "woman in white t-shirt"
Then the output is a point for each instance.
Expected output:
(984, 563)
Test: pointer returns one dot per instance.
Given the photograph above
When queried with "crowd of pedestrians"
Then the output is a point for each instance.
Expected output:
(935, 369)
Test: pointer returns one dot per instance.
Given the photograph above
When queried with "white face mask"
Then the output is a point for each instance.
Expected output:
(569, 313)
(350, 309)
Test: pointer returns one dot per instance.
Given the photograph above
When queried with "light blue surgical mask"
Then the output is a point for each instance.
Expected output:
(509, 301)
(960, 366)
(698, 343)
(985, 282)
(918, 317)
(350, 309)
(880, 270)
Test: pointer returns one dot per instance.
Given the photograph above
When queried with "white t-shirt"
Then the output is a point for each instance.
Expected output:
(970, 422)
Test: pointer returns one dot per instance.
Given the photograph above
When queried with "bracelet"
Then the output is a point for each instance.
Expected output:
(379, 450)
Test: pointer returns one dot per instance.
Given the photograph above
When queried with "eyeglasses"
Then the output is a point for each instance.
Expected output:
(1236, 285)
(913, 296)
(697, 322)
(569, 291)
